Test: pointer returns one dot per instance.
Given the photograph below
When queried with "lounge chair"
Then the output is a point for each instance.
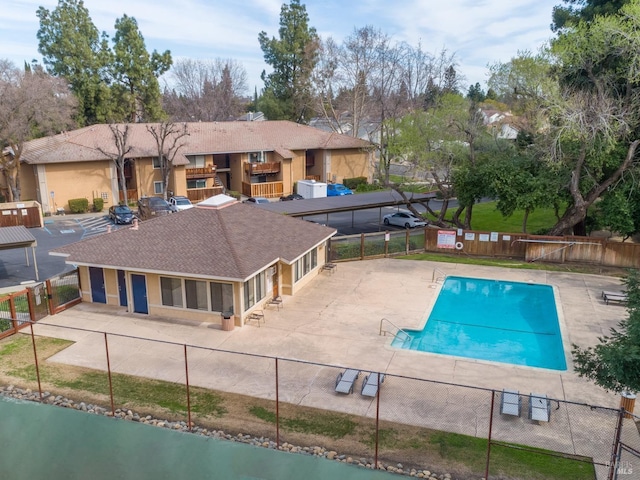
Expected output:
(539, 408)
(618, 297)
(371, 384)
(510, 403)
(345, 380)
(276, 302)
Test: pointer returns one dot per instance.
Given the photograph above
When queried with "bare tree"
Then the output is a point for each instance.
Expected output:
(32, 104)
(169, 139)
(205, 90)
(118, 156)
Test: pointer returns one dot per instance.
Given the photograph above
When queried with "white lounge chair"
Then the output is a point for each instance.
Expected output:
(510, 403)
(346, 379)
(371, 384)
(618, 297)
(539, 408)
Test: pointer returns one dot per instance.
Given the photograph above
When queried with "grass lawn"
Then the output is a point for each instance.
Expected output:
(351, 435)
(487, 218)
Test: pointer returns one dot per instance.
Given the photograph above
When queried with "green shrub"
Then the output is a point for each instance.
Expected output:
(98, 204)
(368, 187)
(234, 194)
(354, 183)
(79, 205)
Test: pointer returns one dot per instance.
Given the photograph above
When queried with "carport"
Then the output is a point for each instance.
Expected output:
(19, 237)
(346, 203)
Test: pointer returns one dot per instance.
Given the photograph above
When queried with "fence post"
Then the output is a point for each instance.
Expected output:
(50, 297)
(493, 399)
(277, 409)
(406, 242)
(186, 372)
(375, 460)
(106, 348)
(32, 309)
(35, 356)
(615, 449)
(362, 246)
(387, 237)
(12, 312)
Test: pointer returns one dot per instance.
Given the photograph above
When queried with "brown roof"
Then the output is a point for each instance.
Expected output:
(232, 242)
(204, 138)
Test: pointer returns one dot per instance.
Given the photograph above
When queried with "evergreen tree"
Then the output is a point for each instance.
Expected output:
(293, 56)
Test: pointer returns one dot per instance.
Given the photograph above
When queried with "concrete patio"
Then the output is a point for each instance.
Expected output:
(334, 322)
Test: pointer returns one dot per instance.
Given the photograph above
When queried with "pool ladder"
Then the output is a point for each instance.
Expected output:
(438, 276)
(400, 333)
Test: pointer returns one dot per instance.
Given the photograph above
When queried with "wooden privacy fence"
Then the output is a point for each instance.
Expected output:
(530, 248)
(37, 301)
(27, 214)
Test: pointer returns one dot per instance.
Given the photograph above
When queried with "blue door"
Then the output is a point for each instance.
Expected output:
(98, 293)
(139, 287)
(122, 288)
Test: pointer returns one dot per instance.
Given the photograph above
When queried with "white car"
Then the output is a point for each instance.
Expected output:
(179, 203)
(404, 219)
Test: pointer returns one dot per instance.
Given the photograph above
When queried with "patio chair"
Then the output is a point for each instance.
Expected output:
(510, 403)
(371, 384)
(618, 297)
(346, 379)
(276, 302)
(539, 408)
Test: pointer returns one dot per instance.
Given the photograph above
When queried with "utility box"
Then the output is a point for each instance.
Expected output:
(311, 189)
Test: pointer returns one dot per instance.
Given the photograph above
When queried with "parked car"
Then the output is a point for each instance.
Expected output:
(404, 219)
(256, 200)
(179, 203)
(150, 207)
(293, 196)
(338, 189)
(121, 214)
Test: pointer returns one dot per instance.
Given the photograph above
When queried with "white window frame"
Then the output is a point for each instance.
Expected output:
(257, 157)
(155, 162)
(158, 188)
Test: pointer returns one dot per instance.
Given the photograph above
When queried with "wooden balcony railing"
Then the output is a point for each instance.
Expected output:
(132, 195)
(199, 194)
(268, 189)
(313, 177)
(201, 172)
(262, 168)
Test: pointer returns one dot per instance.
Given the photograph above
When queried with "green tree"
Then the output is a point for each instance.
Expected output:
(135, 74)
(476, 94)
(614, 363)
(293, 56)
(576, 11)
(72, 47)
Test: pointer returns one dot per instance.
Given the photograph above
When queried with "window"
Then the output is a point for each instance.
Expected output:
(196, 293)
(196, 161)
(156, 162)
(199, 183)
(305, 264)
(254, 290)
(171, 289)
(256, 157)
(158, 188)
(221, 297)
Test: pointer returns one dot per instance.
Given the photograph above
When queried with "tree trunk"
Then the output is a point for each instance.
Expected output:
(571, 217)
(524, 220)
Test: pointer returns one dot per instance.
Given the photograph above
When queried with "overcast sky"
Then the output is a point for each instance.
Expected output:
(479, 32)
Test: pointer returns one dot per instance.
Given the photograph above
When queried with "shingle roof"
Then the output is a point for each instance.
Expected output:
(204, 138)
(231, 242)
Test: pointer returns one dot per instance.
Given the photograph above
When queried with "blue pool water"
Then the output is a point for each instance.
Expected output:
(509, 322)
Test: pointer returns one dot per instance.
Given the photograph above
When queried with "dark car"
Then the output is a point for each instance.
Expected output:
(293, 196)
(256, 200)
(150, 207)
(121, 214)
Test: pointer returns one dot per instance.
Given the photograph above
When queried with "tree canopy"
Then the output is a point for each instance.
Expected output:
(293, 56)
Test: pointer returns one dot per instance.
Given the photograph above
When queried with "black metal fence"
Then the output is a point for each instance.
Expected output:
(419, 424)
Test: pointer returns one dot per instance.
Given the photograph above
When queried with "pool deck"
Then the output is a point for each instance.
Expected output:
(335, 320)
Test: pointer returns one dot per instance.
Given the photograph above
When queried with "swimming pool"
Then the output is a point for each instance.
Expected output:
(509, 322)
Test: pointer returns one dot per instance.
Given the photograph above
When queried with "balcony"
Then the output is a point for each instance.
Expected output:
(199, 194)
(261, 168)
(267, 189)
(201, 172)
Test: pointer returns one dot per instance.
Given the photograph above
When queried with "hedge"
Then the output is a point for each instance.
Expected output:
(79, 205)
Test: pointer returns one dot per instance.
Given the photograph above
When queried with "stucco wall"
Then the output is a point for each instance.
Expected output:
(145, 176)
(349, 164)
(78, 180)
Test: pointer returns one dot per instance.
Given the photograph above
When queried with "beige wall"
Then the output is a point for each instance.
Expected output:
(145, 176)
(349, 164)
(28, 183)
(78, 180)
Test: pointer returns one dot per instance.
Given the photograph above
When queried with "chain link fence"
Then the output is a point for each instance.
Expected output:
(405, 424)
